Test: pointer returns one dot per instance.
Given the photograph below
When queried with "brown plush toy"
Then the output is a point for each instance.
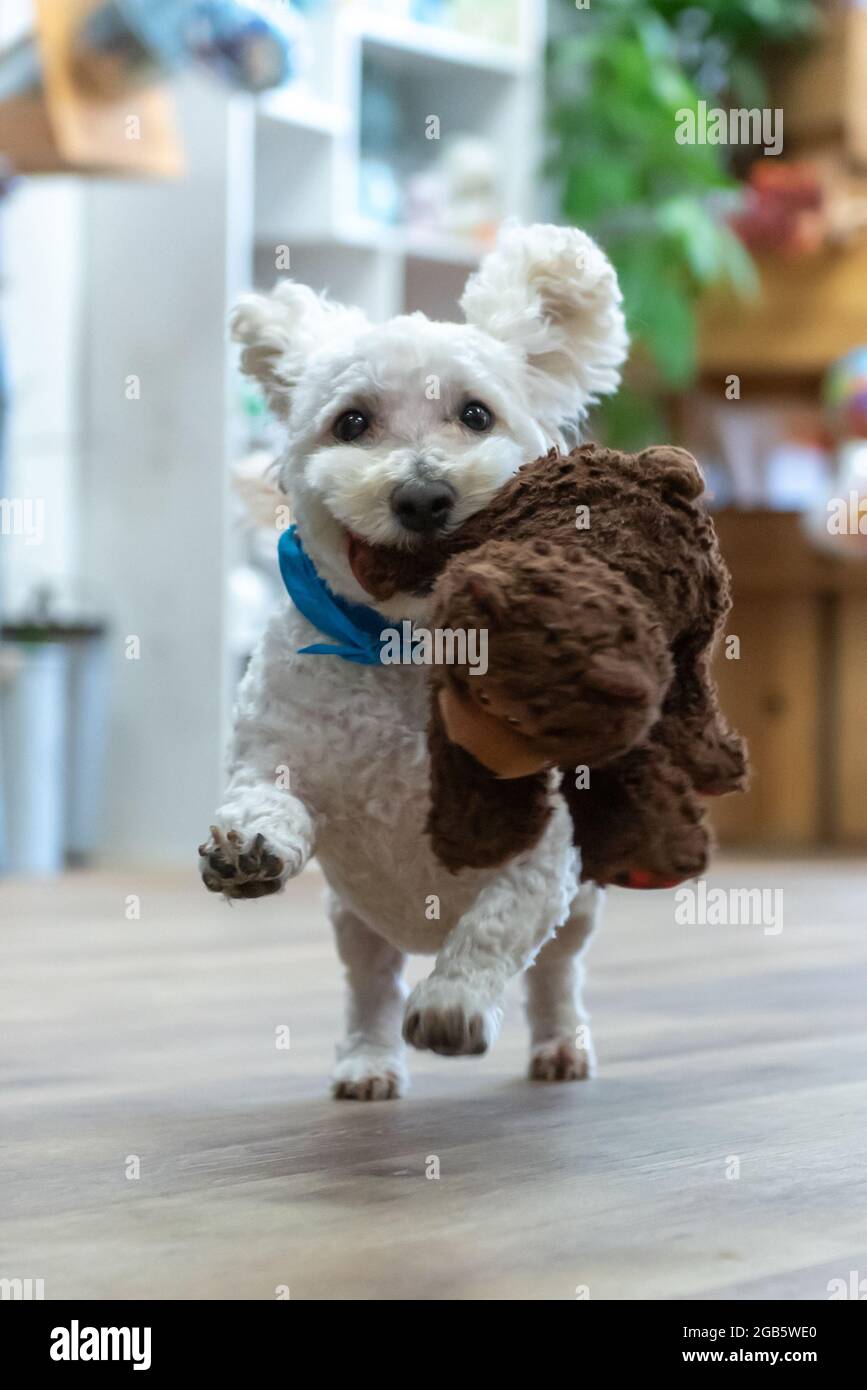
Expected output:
(598, 579)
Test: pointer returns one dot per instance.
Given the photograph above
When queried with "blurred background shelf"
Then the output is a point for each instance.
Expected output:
(823, 90)
(379, 171)
(295, 107)
(397, 96)
(415, 46)
(783, 411)
(806, 315)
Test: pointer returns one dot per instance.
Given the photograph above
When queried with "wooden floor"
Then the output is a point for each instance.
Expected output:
(156, 1038)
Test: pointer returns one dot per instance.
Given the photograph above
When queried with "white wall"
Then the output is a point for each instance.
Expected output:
(16, 19)
(40, 319)
(154, 473)
(112, 279)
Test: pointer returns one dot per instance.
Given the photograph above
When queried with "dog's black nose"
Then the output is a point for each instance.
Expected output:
(421, 505)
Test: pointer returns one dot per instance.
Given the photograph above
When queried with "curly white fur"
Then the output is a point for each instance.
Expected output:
(545, 336)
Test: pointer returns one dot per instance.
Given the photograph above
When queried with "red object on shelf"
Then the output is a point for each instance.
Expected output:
(784, 209)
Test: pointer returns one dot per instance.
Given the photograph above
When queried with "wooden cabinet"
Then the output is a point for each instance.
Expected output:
(851, 760)
(797, 687)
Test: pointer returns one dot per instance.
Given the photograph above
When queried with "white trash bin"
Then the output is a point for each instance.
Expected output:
(53, 710)
(33, 725)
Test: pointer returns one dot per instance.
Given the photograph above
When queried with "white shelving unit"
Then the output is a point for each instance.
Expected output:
(310, 145)
(163, 262)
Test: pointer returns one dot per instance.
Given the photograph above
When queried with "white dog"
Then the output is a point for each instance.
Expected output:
(395, 431)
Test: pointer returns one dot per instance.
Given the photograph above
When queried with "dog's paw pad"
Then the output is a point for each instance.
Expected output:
(561, 1059)
(447, 1017)
(240, 867)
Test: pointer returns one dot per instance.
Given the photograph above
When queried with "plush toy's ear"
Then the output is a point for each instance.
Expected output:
(279, 331)
(676, 469)
(553, 294)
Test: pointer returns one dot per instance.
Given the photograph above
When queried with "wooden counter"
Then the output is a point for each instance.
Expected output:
(798, 689)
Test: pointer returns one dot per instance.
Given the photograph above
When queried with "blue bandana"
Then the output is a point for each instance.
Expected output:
(357, 629)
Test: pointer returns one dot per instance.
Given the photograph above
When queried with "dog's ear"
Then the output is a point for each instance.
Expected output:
(552, 293)
(279, 331)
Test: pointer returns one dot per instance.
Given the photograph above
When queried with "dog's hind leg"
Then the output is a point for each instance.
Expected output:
(371, 1058)
(561, 1048)
(457, 1010)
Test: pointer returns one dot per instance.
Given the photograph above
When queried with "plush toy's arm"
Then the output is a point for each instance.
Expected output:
(476, 820)
(695, 731)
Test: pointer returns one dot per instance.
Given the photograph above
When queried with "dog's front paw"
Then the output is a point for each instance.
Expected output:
(449, 1017)
(244, 866)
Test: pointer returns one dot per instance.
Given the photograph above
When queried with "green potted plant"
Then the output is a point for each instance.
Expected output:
(618, 74)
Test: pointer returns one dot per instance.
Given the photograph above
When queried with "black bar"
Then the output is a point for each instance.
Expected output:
(223, 1339)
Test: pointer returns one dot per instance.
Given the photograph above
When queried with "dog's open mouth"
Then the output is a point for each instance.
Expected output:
(363, 562)
(384, 570)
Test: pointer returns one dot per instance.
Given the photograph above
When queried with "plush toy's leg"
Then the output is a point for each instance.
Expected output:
(638, 822)
(371, 1059)
(561, 1048)
(457, 1009)
(475, 820)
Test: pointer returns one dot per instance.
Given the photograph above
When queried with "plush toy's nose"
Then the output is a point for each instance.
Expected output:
(422, 505)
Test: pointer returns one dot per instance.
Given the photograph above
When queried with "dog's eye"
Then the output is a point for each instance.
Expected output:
(477, 417)
(350, 425)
